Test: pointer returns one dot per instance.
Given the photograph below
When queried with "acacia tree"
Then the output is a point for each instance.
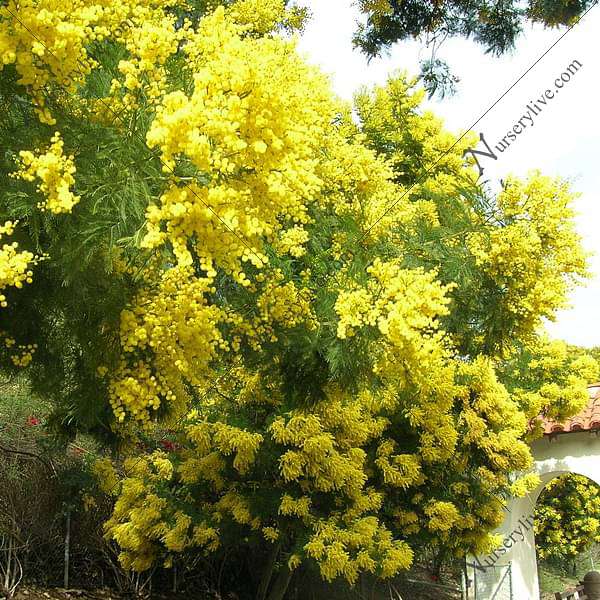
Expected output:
(330, 316)
(494, 25)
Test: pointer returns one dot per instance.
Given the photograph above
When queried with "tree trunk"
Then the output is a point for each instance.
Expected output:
(8, 563)
(67, 550)
(281, 584)
(261, 594)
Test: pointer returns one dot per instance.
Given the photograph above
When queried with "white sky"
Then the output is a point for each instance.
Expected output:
(564, 139)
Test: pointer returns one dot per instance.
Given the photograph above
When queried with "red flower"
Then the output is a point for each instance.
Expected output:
(32, 421)
(168, 445)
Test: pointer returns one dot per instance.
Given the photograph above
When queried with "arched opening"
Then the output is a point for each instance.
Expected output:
(567, 527)
(510, 572)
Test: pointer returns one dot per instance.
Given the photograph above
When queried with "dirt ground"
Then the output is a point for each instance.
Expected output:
(416, 592)
(33, 593)
(28, 592)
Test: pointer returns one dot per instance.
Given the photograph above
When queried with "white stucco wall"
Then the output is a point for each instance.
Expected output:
(567, 453)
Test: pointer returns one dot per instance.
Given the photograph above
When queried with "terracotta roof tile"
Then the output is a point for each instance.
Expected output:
(587, 420)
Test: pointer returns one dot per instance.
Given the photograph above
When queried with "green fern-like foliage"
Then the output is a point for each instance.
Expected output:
(494, 25)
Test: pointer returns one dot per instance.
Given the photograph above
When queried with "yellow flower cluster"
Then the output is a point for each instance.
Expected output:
(174, 322)
(389, 302)
(291, 241)
(321, 452)
(47, 40)
(237, 506)
(150, 44)
(252, 134)
(14, 263)
(215, 441)
(24, 358)
(354, 417)
(553, 381)
(405, 306)
(362, 545)
(315, 457)
(141, 519)
(231, 440)
(487, 402)
(106, 475)
(533, 254)
(437, 168)
(480, 419)
(258, 16)
(263, 153)
(567, 517)
(299, 507)
(360, 184)
(345, 545)
(285, 305)
(442, 515)
(401, 470)
(22, 354)
(55, 170)
(524, 485)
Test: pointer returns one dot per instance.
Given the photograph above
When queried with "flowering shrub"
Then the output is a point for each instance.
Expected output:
(319, 310)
